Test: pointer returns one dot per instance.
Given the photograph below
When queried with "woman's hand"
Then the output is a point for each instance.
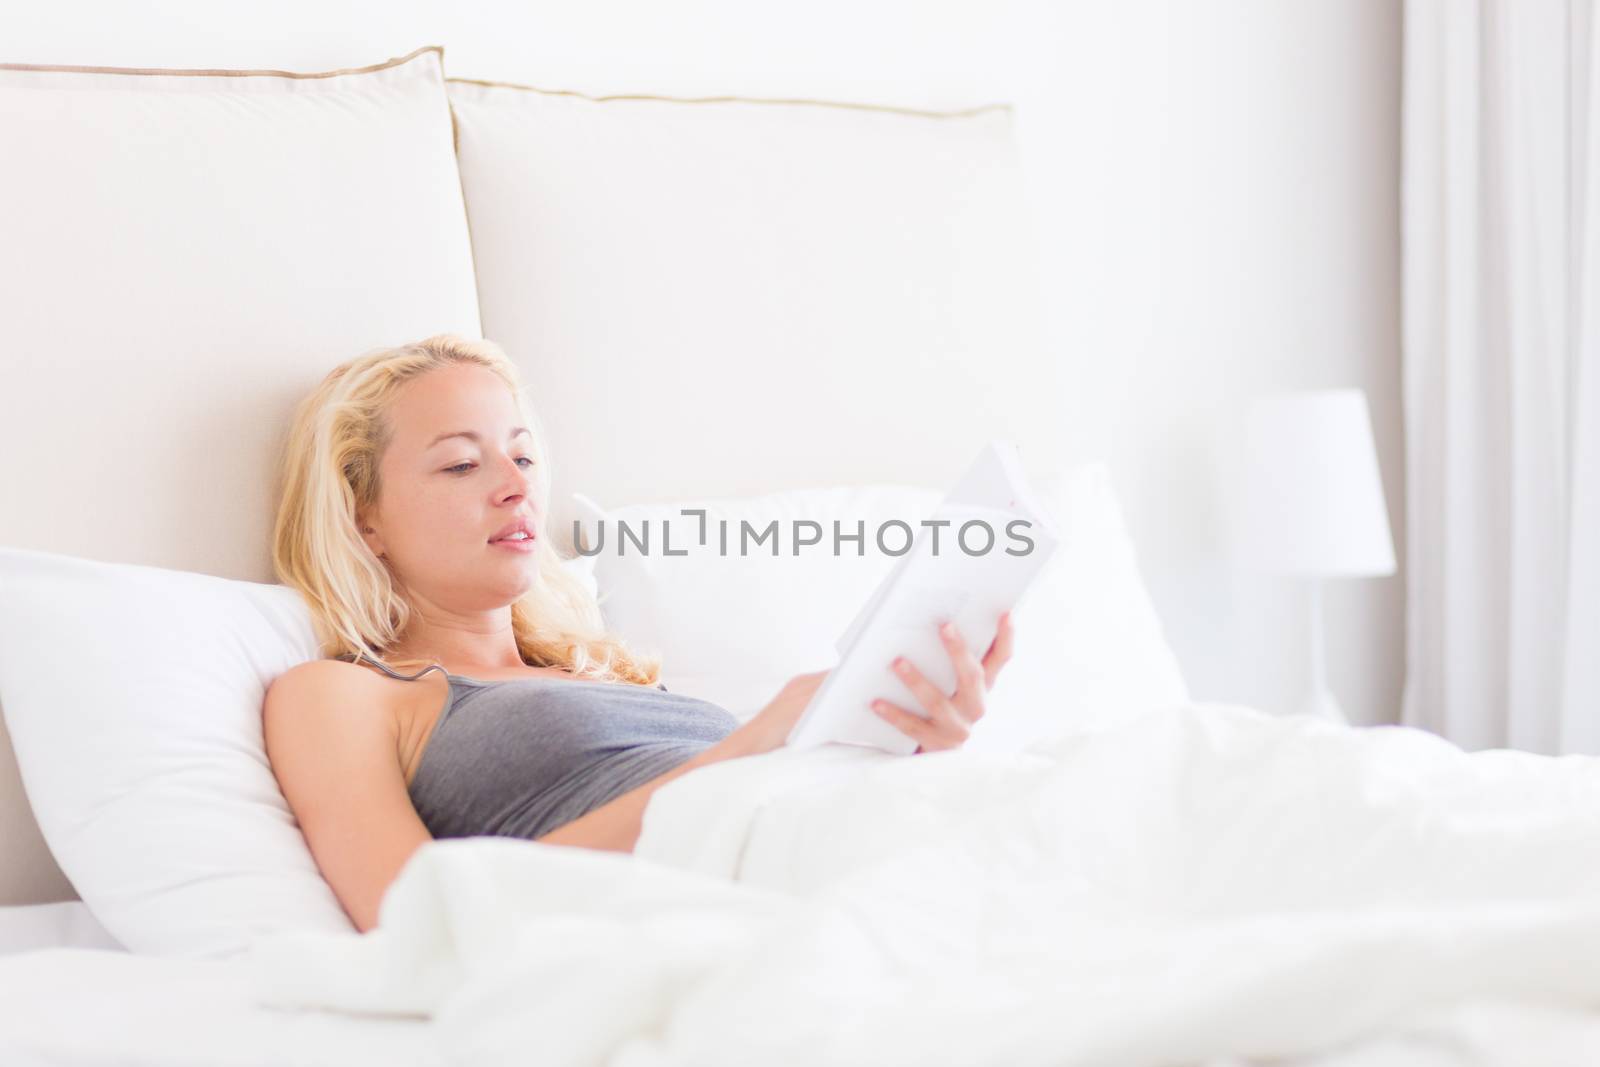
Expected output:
(769, 728)
(949, 719)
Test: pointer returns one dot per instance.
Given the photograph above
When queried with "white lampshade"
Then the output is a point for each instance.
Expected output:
(1308, 498)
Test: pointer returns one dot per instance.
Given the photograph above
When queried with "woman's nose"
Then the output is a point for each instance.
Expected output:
(516, 480)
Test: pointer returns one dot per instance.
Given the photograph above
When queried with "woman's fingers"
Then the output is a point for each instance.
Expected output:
(949, 718)
(913, 726)
(946, 732)
(970, 682)
(937, 704)
(999, 650)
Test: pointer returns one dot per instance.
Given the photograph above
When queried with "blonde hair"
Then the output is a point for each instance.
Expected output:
(328, 475)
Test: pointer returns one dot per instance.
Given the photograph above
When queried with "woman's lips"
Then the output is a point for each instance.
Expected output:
(515, 546)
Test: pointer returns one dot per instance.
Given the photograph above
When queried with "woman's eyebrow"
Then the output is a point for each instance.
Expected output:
(470, 435)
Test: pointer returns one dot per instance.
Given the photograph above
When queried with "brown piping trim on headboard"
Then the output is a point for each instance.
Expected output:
(461, 184)
(395, 62)
(853, 105)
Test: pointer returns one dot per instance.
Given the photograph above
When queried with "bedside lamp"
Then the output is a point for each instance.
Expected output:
(1310, 502)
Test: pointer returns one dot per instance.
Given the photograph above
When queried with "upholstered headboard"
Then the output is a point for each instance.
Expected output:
(705, 297)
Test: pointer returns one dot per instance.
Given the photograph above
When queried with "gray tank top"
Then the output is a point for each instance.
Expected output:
(521, 757)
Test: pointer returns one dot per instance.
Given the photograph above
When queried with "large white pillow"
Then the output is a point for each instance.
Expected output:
(1091, 651)
(1090, 648)
(183, 256)
(133, 695)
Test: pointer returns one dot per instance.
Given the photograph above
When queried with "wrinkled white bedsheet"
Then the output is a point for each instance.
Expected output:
(1203, 884)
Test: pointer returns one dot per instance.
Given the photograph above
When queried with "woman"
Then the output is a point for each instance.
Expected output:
(472, 687)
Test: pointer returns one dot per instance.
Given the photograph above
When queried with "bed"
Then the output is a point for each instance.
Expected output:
(757, 931)
(1120, 874)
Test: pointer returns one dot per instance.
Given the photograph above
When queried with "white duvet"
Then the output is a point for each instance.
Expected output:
(1204, 882)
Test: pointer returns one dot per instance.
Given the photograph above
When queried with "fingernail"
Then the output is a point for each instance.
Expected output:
(947, 629)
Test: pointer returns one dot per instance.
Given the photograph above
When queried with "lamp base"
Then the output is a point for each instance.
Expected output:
(1321, 704)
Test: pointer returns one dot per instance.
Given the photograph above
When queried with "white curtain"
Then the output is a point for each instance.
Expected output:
(1501, 337)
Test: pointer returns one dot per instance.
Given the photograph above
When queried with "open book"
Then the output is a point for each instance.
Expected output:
(971, 560)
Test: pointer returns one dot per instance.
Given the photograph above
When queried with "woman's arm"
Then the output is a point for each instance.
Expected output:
(615, 825)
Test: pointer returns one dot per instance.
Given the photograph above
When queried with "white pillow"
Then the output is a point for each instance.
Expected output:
(732, 629)
(1091, 652)
(133, 695)
(1090, 649)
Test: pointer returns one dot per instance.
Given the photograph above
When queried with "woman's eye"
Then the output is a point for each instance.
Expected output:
(459, 467)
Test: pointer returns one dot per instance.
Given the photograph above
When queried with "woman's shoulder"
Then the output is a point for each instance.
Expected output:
(341, 682)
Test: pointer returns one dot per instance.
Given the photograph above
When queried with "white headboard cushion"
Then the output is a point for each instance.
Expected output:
(728, 296)
(186, 255)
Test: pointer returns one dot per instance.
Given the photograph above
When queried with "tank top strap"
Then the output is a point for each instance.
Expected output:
(354, 657)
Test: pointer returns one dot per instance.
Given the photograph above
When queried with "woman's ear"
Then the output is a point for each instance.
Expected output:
(371, 537)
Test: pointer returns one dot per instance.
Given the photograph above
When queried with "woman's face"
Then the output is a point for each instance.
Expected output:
(442, 498)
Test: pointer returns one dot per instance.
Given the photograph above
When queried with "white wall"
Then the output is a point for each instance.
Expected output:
(1220, 181)
(1281, 258)
(1217, 183)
